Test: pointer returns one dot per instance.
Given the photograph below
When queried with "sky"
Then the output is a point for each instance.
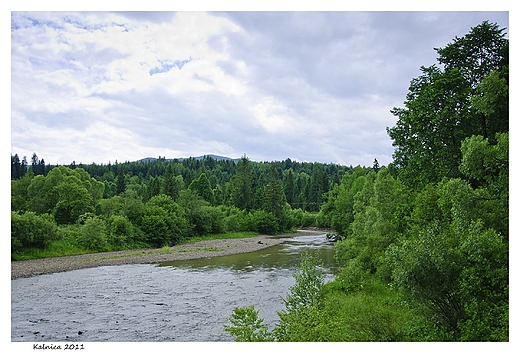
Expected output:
(315, 86)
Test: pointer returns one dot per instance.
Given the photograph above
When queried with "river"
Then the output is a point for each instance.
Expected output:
(186, 301)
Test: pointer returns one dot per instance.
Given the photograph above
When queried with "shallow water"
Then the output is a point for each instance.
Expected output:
(175, 301)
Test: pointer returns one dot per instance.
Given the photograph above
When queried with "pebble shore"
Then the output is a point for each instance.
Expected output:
(201, 249)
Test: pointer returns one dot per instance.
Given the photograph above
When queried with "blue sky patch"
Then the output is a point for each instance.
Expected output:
(167, 65)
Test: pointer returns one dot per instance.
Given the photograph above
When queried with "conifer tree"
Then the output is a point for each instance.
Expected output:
(242, 193)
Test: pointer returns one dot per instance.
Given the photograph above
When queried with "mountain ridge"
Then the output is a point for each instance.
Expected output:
(213, 156)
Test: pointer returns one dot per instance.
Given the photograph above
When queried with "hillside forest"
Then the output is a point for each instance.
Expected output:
(423, 242)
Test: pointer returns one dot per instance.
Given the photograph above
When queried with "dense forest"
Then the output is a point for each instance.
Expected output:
(158, 202)
(423, 242)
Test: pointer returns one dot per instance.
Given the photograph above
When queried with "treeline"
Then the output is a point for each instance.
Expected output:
(66, 209)
(304, 183)
(424, 242)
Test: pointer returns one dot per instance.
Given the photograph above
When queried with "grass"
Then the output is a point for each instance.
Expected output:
(233, 235)
(207, 248)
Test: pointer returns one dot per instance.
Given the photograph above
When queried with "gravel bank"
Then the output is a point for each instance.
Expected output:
(205, 248)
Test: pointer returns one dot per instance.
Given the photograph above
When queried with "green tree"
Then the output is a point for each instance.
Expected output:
(19, 194)
(274, 198)
(170, 184)
(154, 187)
(65, 192)
(32, 230)
(120, 232)
(460, 275)
(487, 167)
(339, 209)
(18, 168)
(93, 235)
(246, 326)
(73, 201)
(241, 185)
(439, 114)
(202, 186)
(319, 185)
(155, 226)
(120, 184)
(304, 299)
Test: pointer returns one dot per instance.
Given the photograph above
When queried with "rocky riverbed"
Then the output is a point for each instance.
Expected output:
(201, 249)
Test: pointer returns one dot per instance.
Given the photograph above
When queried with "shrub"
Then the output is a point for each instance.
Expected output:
(31, 230)
(236, 220)
(93, 235)
(120, 232)
(264, 222)
(246, 326)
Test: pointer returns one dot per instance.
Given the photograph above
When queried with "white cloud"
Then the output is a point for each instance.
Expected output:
(315, 86)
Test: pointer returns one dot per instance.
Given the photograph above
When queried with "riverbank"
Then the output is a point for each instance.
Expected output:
(201, 249)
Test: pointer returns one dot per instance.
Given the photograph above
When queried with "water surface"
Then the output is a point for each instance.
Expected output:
(185, 301)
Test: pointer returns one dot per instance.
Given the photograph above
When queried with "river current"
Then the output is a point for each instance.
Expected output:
(186, 301)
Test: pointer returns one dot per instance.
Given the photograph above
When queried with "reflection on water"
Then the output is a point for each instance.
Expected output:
(175, 301)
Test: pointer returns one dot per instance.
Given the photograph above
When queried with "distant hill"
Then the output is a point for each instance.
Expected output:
(215, 157)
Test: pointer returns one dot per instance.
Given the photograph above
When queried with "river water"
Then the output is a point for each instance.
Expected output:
(177, 301)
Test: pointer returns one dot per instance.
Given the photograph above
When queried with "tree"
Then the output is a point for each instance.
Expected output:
(289, 187)
(65, 192)
(482, 50)
(375, 165)
(73, 201)
(19, 196)
(154, 187)
(461, 277)
(32, 230)
(439, 114)
(170, 185)
(274, 198)
(246, 326)
(93, 235)
(121, 184)
(241, 185)
(16, 167)
(318, 186)
(304, 299)
(203, 187)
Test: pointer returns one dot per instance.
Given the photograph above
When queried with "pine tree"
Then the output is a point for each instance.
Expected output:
(170, 185)
(242, 192)
(274, 198)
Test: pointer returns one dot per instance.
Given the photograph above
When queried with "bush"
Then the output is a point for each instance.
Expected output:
(309, 219)
(31, 230)
(264, 222)
(154, 224)
(120, 232)
(235, 220)
(208, 220)
(93, 235)
(246, 326)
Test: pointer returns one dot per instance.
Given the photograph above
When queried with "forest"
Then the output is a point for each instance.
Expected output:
(62, 210)
(423, 242)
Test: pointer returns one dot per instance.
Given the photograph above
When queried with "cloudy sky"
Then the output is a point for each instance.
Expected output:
(310, 86)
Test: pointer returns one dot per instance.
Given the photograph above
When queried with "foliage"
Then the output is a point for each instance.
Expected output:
(304, 297)
(246, 326)
(202, 186)
(460, 275)
(241, 185)
(32, 230)
(93, 235)
(120, 232)
(264, 222)
(439, 114)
